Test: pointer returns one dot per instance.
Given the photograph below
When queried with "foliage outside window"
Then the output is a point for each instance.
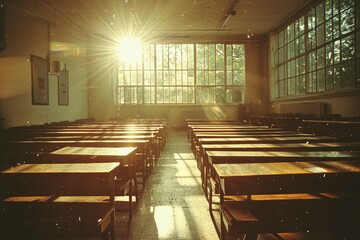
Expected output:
(319, 51)
(183, 74)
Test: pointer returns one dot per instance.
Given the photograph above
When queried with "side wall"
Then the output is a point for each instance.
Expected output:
(33, 34)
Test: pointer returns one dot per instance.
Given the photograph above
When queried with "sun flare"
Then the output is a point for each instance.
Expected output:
(130, 50)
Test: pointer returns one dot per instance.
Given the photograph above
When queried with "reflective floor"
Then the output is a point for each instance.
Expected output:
(172, 205)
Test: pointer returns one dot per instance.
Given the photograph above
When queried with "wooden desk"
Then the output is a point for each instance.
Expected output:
(255, 139)
(198, 135)
(124, 155)
(256, 178)
(335, 146)
(289, 197)
(295, 139)
(331, 146)
(341, 129)
(65, 199)
(143, 152)
(154, 145)
(218, 157)
(215, 157)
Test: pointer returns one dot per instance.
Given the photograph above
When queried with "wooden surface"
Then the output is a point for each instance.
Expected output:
(96, 151)
(63, 168)
(288, 177)
(309, 139)
(283, 146)
(285, 168)
(279, 156)
(247, 135)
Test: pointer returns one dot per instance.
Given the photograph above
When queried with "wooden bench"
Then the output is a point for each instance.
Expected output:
(286, 197)
(42, 201)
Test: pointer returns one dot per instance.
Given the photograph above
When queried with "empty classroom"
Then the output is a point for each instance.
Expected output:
(179, 119)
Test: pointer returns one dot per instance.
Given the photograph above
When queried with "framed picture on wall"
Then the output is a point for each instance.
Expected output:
(39, 81)
(63, 88)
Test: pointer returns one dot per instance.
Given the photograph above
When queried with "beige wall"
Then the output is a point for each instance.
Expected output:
(257, 84)
(28, 34)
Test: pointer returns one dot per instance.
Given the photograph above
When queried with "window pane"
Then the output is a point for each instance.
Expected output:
(348, 21)
(302, 84)
(301, 45)
(320, 80)
(220, 78)
(329, 78)
(345, 4)
(311, 39)
(311, 84)
(290, 33)
(336, 26)
(291, 50)
(312, 61)
(220, 95)
(320, 34)
(329, 54)
(321, 58)
(348, 48)
(337, 51)
(301, 26)
(301, 65)
(328, 30)
(311, 18)
(291, 86)
(348, 74)
(337, 78)
(220, 56)
(319, 13)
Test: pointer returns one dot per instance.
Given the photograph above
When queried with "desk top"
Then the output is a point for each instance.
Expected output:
(96, 151)
(215, 157)
(267, 139)
(93, 131)
(329, 122)
(217, 126)
(78, 141)
(239, 131)
(239, 170)
(234, 135)
(286, 146)
(96, 137)
(65, 168)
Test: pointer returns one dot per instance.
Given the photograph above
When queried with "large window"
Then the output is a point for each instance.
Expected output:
(183, 74)
(319, 51)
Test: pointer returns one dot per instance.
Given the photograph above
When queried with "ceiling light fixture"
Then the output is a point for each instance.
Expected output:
(229, 14)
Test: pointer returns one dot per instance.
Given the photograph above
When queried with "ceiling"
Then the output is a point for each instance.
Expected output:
(186, 20)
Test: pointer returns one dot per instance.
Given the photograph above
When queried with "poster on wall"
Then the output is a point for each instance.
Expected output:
(63, 88)
(39, 81)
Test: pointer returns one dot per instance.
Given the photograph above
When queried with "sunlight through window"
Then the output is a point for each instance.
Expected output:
(130, 50)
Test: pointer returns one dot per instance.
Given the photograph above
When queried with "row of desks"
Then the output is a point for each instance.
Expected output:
(55, 174)
(263, 167)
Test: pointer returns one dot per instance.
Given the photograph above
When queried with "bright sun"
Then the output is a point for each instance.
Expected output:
(130, 50)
